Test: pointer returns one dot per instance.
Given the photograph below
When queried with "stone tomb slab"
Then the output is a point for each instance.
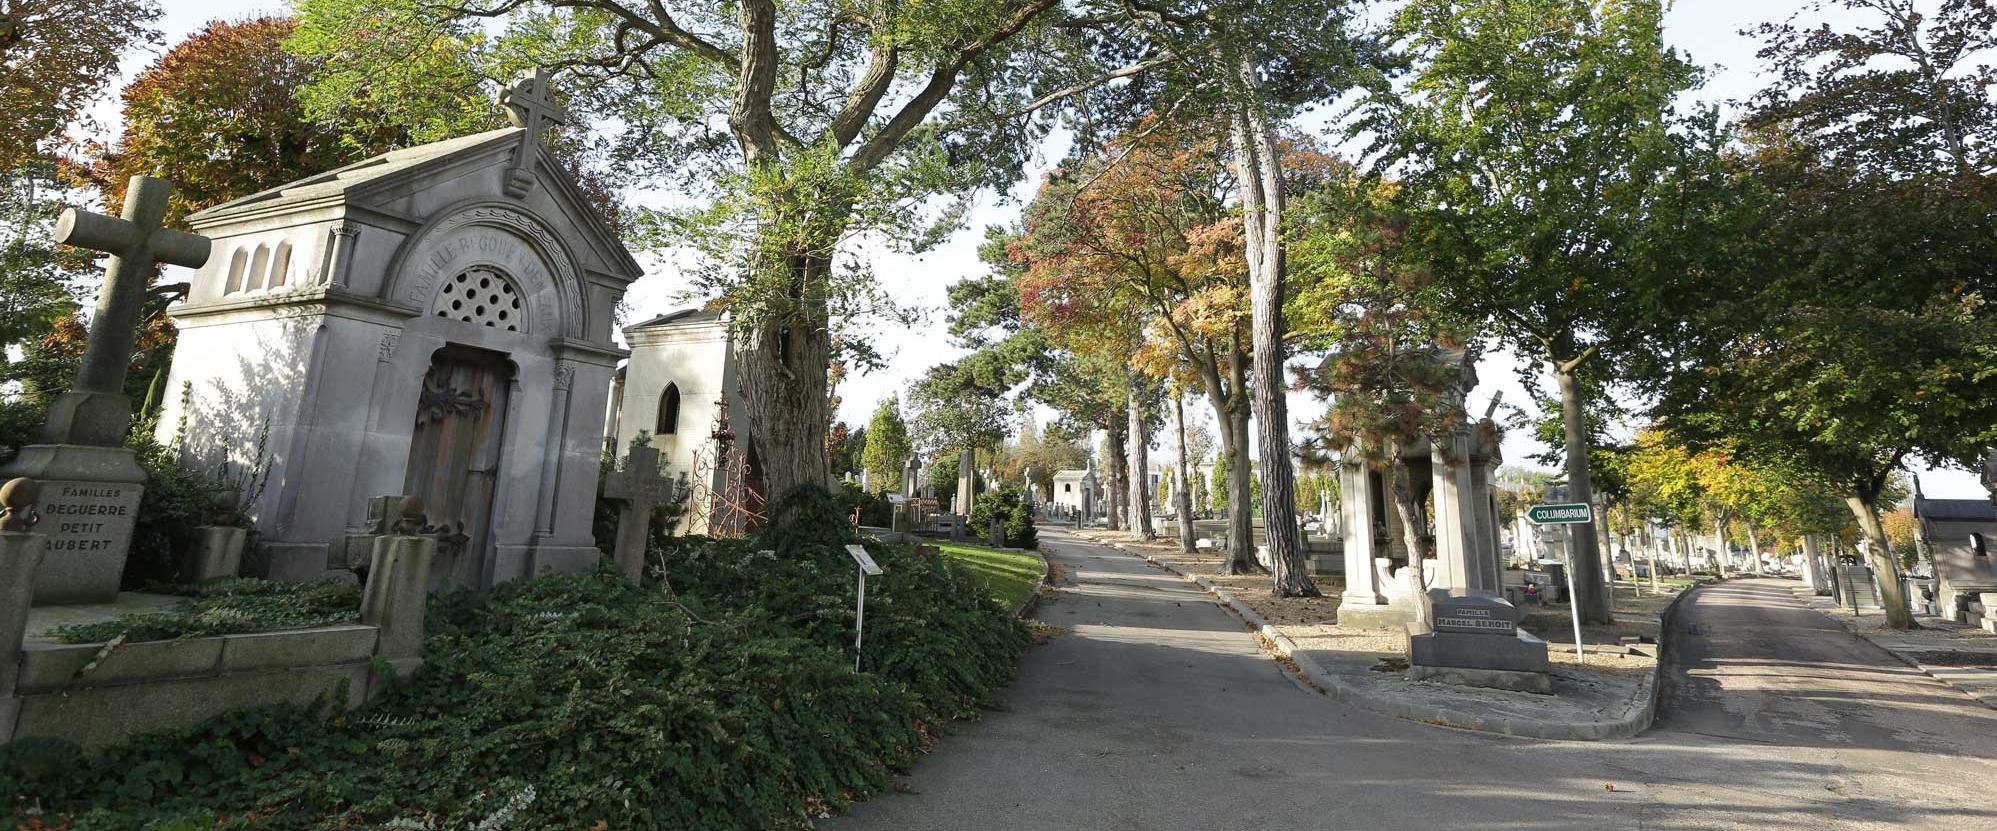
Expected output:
(1475, 641)
(89, 526)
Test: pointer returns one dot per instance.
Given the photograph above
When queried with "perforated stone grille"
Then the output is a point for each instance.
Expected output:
(481, 296)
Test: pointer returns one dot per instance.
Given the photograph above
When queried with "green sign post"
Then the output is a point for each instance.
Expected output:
(1569, 513)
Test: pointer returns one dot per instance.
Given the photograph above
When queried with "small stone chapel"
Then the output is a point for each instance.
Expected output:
(433, 322)
(679, 391)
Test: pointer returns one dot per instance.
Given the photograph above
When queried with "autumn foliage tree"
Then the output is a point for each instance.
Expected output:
(58, 55)
(219, 116)
(1139, 236)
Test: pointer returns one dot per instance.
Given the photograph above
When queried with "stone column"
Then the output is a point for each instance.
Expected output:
(21, 554)
(1355, 503)
(967, 462)
(1454, 514)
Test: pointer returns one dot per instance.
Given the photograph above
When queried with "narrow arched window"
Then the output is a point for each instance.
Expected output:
(237, 264)
(259, 265)
(279, 264)
(669, 411)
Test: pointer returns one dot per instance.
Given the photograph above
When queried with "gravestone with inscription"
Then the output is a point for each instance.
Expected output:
(1474, 639)
(91, 484)
(433, 322)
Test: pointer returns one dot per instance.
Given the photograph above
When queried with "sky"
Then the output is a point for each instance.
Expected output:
(1707, 30)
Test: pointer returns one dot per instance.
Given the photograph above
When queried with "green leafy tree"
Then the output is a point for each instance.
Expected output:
(887, 447)
(1395, 367)
(1855, 332)
(1556, 190)
(796, 127)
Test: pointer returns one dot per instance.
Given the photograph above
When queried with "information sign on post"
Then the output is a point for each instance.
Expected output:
(1566, 513)
(1570, 513)
(867, 566)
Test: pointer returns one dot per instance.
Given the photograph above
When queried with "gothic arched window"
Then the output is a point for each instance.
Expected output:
(669, 411)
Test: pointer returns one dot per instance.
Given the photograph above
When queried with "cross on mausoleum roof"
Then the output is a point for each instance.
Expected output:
(530, 105)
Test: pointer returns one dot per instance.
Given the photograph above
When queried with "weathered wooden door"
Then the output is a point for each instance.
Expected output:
(454, 455)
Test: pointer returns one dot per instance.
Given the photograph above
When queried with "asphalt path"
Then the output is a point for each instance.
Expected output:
(1155, 709)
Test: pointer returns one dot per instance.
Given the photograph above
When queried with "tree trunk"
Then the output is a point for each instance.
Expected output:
(783, 385)
(1140, 468)
(1113, 512)
(1593, 600)
(1261, 177)
(1885, 572)
(1240, 493)
(1411, 528)
(1181, 487)
(1651, 551)
(1754, 550)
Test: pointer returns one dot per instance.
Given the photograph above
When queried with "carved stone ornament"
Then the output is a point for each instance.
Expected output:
(17, 505)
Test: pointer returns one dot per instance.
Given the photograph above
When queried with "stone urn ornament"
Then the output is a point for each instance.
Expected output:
(17, 505)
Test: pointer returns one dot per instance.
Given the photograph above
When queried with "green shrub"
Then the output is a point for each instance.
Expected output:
(875, 509)
(1019, 530)
(721, 694)
(1008, 506)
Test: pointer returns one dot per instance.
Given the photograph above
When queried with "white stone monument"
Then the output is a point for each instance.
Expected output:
(433, 322)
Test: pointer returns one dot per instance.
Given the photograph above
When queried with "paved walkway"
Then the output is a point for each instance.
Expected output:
(1158, 711)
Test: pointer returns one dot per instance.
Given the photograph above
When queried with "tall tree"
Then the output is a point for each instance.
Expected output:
(218, 114)
(1395, 365)
(888, 448)
(798, 126)
(1556, 186)
(1855, 332)
(59, 55)
(1139, 234)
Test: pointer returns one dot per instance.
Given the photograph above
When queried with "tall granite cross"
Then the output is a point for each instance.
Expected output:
(531, 106)
(96, 411)
(638, 489)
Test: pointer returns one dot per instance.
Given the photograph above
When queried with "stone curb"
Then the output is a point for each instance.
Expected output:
(1817, 603)
(1032, 600)
(1642, 712)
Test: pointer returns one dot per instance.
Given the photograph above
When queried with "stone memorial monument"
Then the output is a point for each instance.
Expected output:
(1476, 641)
(432, 322)
(90, 484)
(1453, 473)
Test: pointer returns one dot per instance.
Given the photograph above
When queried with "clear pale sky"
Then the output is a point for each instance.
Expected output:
(1706, 29)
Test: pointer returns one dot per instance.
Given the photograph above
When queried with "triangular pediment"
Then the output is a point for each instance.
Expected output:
(415, 182)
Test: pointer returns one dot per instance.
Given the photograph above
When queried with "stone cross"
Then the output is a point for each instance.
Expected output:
(530, 106)
(96, 411)
(638, 489)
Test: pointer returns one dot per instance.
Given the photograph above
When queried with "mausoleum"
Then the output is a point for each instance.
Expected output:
(435, 322)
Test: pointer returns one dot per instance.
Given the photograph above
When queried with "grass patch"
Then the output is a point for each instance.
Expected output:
(1008, 575)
